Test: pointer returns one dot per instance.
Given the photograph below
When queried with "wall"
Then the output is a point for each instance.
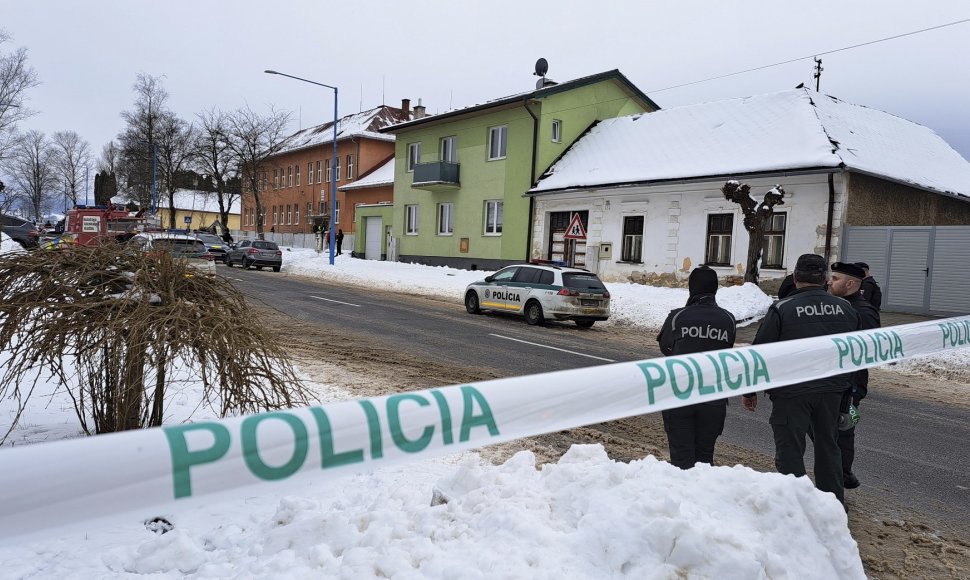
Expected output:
(384, 211)
(876, 202)
(200, 219)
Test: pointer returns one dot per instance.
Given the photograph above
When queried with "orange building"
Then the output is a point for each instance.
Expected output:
(296, 180)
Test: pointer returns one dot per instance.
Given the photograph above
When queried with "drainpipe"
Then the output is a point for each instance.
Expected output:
(532, 177)
(828, 223)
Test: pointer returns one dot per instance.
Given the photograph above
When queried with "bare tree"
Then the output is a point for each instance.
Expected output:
(31, 166)
(16, 77)
(139, 140)
(756, 218)
(108, 161)
(72, 159)
(214, 158)
(252, 138)
(176, 140)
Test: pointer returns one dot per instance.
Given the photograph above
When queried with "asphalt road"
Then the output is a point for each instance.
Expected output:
(914, 452)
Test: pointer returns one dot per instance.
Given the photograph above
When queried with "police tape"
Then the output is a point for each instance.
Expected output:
(67, 482)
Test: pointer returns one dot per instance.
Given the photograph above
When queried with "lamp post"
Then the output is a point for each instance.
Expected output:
(333, 164)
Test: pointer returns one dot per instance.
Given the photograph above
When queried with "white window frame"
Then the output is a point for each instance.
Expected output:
(414, 156)
(632, 241)
(501, 132)
(309, 173)
(289, 214)
(319, 174)
(783, 236)
(297, 176)
(556, 131)
(289, 176)
(723, 239)
(296, 214)
(276, 179)
(274, 216)
(411, 220)
(336, 212)
(448, 149)
(337, 168)
(446, 219)
(350, 167)
(494, 216)
(326, 169)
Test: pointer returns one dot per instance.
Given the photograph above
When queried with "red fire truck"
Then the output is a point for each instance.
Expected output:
(89, 225)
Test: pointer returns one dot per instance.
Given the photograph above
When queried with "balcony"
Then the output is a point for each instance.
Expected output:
(436, 176)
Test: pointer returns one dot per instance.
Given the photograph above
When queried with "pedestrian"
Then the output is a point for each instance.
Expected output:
(870, 288)
(787, 286)
(846, 282)
(699, 326)
(814, 404)
(339, 239)
(227, 237)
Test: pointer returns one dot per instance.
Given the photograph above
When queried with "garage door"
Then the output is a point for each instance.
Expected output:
(373, 238)
(950, 273)
(908, 270)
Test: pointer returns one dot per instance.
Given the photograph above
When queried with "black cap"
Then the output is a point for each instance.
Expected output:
(702, 280)
(862, 265)
(848, 269)
(810, 263)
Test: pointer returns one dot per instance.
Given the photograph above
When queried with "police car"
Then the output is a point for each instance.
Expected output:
(540, 292)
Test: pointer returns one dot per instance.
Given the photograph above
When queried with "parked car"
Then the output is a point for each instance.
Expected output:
(258, 253)
(540, 291)
(216, 246)
(182, 247)
(20, 230)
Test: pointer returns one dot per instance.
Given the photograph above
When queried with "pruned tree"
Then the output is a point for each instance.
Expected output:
(138, 142)
(214, 157)
(252, 138)
(31, 168)
(176, 141)
(116, 326)
(71, 161)
(756, 219)
(16, 78)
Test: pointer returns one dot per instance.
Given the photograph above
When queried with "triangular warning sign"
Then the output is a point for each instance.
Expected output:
(575, 231)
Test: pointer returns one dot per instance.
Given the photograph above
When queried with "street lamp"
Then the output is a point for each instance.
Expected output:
(333, 164)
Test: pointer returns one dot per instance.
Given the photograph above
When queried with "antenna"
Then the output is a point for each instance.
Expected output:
(818, 72)
(360, 107)
(382, 91)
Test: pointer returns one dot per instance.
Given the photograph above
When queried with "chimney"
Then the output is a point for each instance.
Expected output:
(419, 110)
(406, 109)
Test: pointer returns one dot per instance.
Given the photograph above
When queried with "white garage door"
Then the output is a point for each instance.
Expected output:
(373, 238)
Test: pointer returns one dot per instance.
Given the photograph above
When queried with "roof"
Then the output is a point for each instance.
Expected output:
(382, 176)
(796, 129)
(364, 124)
(194, 200)
(547, 91)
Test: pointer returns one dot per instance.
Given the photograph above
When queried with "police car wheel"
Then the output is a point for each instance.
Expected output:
(585, 323)
(533, 313)
(471, 303)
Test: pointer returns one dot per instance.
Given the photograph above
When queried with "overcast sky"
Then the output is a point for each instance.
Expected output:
(451, 54)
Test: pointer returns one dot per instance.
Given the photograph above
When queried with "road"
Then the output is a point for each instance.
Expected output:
(913, 452)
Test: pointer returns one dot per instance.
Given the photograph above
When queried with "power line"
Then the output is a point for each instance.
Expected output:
(811, 56)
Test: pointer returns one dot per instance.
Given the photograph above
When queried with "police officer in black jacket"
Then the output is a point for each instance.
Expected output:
(845, 282)
(814, 404)
(701, 325)
(870, 288)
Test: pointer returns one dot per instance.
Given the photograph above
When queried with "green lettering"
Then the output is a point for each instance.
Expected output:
(760, 368)
(945, 328)
(250, 446)
(702, 389)
(843, 349)
(447, 437)
(183, 459)
(685, 394)
(328, 458)
(653, 380)
(717, 372)
(394, 419)
(897, 346)
(855, 342)
(470, 395)
(735, 384)
(374, 427)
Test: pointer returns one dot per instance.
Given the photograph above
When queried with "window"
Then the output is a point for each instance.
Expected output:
(326, 163)
(414, 155)
(556, 131)
(350, 167)
(309, 173)
(276, 179)
(497, 138)
(448, 152)
(337, 169)
(493, 217)
(774, 249)
(336, 212)
(296, 214)
(289, 214)
(446, 225)
(411, 220)
(632, 239)
(297, 176)
(274, 215)
(319, 175)
(309, 209)
(719, 228)
(289, 176)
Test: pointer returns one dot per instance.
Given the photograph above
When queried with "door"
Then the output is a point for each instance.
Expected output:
(909, 270)
(949, 274)
(373, 230)
(494, 295)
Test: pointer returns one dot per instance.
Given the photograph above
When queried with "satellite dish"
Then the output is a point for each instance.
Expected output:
(542, 67)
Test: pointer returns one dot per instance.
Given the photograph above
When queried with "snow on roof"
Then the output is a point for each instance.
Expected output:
(363, 124)
(383, 175)
(788, 130)
(194, 200)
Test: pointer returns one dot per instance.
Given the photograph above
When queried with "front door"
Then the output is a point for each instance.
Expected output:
(372, 238)
(564, 251)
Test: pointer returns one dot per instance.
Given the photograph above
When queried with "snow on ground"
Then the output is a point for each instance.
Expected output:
(583, 517)
(7, 245)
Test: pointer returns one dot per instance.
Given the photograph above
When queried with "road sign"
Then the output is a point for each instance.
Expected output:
(187, 219)
(575, 231)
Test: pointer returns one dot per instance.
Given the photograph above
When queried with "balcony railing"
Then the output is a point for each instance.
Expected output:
(436, 176)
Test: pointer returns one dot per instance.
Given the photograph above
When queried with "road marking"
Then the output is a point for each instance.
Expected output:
(553, 348)
(337, 301)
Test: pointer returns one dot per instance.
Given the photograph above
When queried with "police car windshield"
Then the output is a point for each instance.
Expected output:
(581, 281)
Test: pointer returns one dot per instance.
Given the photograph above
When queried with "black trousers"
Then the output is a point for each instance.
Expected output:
(692, 432)
(847, 446)
(791, 420)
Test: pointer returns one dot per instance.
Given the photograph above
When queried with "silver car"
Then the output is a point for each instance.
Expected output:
(540, 292)
(258, 253)
(181, 247)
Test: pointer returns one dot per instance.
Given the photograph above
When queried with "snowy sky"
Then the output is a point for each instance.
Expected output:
(455, 54)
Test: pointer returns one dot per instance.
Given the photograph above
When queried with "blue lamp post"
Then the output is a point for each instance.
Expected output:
(333, 164)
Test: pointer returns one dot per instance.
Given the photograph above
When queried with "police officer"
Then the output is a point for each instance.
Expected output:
(870, 288)
(699, 326)
(846, 282)
(812, 405)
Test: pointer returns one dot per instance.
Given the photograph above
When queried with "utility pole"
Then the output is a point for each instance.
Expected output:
(818, 72)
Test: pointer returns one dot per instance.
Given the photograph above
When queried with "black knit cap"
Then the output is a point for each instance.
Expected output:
(702, 280)
(848, 269)
(862, 265)
(810, 263)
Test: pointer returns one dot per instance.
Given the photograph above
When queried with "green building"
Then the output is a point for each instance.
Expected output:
(460, 177)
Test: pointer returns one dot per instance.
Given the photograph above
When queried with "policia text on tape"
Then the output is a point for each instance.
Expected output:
(71, 481)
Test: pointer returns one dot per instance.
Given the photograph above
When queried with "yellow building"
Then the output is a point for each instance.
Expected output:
(201, 208)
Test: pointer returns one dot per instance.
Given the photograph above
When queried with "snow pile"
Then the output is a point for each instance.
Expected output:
(8, 246)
